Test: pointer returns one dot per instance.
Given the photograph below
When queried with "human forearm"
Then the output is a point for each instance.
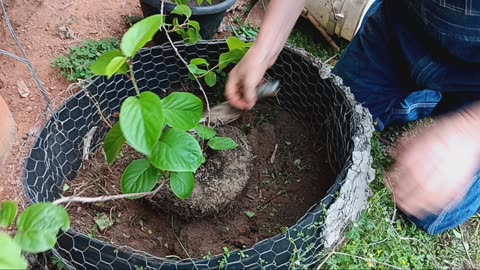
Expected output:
(278, 23)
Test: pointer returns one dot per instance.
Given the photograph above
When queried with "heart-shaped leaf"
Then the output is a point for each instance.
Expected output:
(222, 143)
(38, 226)
(182, 184)
(199, 62)
(139, 34)
(177, 151)
(8, 212)
(139, 176)
(211, 78)
(195, 70)
(10, 254)
(182, 110)
(182, 10)
(142, 121)
(113, 143)
(205, 132)
(231, 57)
(235, 43)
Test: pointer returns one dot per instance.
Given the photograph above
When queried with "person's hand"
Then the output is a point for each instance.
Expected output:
(435, 168)
(241, 88)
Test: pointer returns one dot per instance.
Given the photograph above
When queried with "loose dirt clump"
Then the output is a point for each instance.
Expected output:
(217, 183)
(289, 175)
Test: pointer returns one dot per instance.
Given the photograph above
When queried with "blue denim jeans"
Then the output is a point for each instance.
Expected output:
(417, 58)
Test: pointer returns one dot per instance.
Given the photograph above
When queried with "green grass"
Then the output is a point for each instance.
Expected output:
(307, 37)
(76, 64)
(383, 238)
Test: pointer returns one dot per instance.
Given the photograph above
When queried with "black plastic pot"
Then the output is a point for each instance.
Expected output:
(208, 16)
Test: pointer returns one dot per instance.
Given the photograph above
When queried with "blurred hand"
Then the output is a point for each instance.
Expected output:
(435, 168)
(241, 88)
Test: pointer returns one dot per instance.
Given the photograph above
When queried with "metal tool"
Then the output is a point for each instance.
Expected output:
(225, 113)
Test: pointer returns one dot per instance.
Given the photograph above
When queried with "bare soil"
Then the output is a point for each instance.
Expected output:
(47, 29)
(284, 184)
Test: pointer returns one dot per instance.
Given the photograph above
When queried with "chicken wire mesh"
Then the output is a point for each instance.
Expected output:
(308, 91)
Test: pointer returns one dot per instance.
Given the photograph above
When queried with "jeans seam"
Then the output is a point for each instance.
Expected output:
(466, 11)
(415, 106)
(438, 30)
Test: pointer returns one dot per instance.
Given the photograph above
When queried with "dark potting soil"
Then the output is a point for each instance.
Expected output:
(284, 184)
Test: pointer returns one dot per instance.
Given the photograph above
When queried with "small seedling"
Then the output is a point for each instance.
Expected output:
(76, 64)
(209, 256)
(35, 231)
(103, 221)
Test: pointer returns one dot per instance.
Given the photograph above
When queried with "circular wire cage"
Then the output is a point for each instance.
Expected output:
(308, 91)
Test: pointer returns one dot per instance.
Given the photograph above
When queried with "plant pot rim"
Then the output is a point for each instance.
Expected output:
(202, 10)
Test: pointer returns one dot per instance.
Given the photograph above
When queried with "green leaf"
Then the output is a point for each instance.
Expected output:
(142, 121)
(115, 65)
(139, 34)
(222, 143)
(235, 43)
(182, 110)
(232, 57)
(211, 78)
(195, 70)
(8, 212)
(177, 151)
(66, 187)
(205, 132)
(182, 10)
(192, 36)
(113, 143)
(175, 22)
(138, 177)
(110, 63)
(11, 254)
(38, 226)
(199, 2)
(195, 25)
(182, 184)
(199, 62)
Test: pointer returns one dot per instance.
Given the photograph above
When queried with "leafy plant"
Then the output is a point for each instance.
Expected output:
(200, 67)
(199, 2)
(166, 131)
(36, 231)
(76, 64)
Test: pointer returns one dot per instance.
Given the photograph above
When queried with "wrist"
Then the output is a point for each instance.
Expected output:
(263, 56)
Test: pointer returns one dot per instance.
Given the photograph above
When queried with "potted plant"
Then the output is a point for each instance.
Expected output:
(208, 13)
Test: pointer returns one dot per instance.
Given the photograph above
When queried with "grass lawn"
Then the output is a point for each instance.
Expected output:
(383, 238)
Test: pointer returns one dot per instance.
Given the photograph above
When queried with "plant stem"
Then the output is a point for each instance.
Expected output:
(109, 198)
(132, 78)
